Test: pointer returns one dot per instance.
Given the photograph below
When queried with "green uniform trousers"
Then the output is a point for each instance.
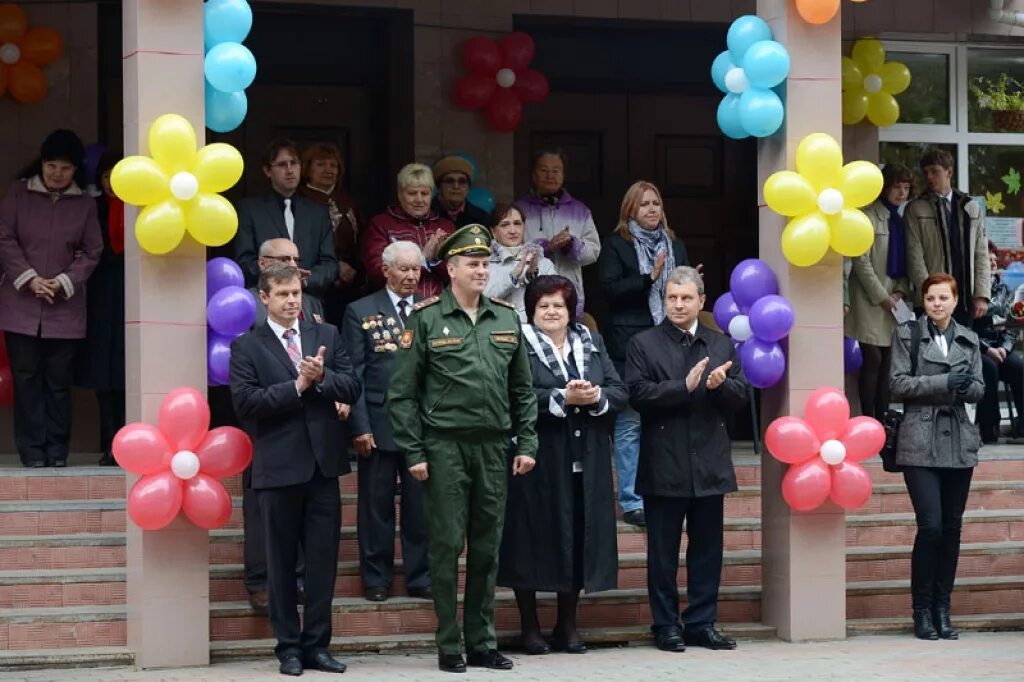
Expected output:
(464, 501)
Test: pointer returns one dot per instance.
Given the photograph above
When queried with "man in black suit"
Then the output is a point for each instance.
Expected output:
(282, 212)
(370, 333)
(286, 377)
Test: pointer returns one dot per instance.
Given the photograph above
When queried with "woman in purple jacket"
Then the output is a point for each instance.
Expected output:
(49, 244)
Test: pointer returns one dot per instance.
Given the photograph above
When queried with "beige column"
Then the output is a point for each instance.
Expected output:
(803, 554)
(165, 311)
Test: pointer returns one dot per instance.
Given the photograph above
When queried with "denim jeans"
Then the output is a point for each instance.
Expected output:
(627, 452)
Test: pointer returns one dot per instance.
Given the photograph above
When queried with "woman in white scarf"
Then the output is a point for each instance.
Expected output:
(514, 264)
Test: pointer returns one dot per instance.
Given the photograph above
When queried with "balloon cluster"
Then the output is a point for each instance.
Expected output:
(229, 66)
(230, 312)
(23, 53)
(825, 449)
(757, 319)
(823, 198)
(179, 187)
(180, 462)
(817, 11)
(746, 73)
(6, 378)
(869, 83)
(499, 80)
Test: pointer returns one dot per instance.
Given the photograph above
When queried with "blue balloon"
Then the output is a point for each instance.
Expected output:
(743, 33)
(225, 111)
(471, 161)
(230, 67)
(729, 117)
(761, 112)
(481, 197)
(766, 64)
(226, 21)
(722, 65)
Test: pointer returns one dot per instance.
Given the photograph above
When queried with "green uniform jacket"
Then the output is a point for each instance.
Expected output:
(461, 380)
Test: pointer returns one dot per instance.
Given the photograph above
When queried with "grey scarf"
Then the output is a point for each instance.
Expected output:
(649, 244)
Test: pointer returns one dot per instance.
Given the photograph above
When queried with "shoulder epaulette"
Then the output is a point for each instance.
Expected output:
(504, 303)
(426, 302)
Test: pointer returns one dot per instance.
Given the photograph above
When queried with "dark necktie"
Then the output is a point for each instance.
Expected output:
(947, 212)
(403, 313)
(687, 339)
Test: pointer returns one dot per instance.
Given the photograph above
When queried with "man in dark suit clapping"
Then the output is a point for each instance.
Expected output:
(286, 376)
(371, 331)
(282, 212)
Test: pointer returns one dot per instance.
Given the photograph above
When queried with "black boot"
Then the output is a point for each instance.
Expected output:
(923, 627)
(943, 624)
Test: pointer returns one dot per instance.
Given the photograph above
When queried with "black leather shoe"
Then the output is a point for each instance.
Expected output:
(324, 662)
(291, 665)
(451, 663)
(535, 645)
(376, 593)
(923, 626)
(709, 638)
(35, 464)
(940, 619)
(421, 593)
(60, 463)
(107, 460)
(492, 659)
(669, 639)
(560, 642)
(635, 518)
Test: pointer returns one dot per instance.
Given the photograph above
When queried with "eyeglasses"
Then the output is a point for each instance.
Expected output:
(455, 181)
(283, 259)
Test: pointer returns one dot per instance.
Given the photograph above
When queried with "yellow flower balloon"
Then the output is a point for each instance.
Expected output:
(822, 198)
(869, 83)
(179, 187)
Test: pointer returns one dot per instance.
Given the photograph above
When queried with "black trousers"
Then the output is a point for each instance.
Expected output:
(311, 512)
(705, 518)
(939, 497)
(1011, 370)
(111, 404)
(874, 380)
(43, 370)
(375, 522)
(254, 546)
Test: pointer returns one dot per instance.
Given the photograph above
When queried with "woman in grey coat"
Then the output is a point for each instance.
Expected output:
(513, 264)
(937, 445)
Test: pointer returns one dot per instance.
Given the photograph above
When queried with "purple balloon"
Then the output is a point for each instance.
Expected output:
(771, 318)
(231, 311)
(853, 358)
(764, 363)
(750, 280)
(93, 154)
(218, 359)
(725, 309)
(222, 272)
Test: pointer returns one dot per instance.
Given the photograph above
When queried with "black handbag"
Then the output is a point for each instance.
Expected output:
(893, 418)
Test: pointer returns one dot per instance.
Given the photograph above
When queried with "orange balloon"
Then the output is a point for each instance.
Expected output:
(13, 22)
(41, 46)
(817, 11)
(27, 82)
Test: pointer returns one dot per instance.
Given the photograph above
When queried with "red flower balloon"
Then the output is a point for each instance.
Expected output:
(180, 463)
(499, 81)
(825, 449)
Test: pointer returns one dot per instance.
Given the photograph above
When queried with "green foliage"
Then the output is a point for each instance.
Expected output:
(1001, 94)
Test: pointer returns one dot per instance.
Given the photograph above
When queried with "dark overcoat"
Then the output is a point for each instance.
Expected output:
(537, 546)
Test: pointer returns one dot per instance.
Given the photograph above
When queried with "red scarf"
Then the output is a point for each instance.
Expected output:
(115, 223)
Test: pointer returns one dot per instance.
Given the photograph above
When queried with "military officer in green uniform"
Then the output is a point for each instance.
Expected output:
(461, 384)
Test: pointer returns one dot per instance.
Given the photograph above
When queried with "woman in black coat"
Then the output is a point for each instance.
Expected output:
(560, 533)
(101, 356)
(635, 262)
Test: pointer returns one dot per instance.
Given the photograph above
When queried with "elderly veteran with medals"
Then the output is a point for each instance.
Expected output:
(460, 384)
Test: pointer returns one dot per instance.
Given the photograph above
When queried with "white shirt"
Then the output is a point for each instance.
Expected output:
(395, 298)
(692, 330)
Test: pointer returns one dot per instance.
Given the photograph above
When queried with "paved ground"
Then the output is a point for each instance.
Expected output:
(988, 657)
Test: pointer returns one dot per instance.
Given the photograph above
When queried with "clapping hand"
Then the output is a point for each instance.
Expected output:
(311, 370)
(433, 243)
(718, 375)
(581, 392)
(695, 373)
(659, 265)
(560, 240)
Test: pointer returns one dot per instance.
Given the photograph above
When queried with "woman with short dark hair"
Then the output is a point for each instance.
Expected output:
(560, 531)
(937, 445)
(49, 245)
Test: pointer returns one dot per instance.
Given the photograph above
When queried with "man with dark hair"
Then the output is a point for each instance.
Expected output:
(945, 233)
(282, 212)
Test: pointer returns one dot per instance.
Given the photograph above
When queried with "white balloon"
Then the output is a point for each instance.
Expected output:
(185, 464)
(736, 80)
(831, 201)
(184, 186)
(833, 452)
(506, 78)
(10, 53)
(739, 328)
(873, 83)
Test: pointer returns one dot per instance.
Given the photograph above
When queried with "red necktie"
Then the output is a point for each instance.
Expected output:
(293, 348)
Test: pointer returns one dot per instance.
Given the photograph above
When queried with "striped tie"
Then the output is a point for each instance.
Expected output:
(293, 348)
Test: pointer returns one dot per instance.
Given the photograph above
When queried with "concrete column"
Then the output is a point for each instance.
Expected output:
(803, 554)
(165, 311)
